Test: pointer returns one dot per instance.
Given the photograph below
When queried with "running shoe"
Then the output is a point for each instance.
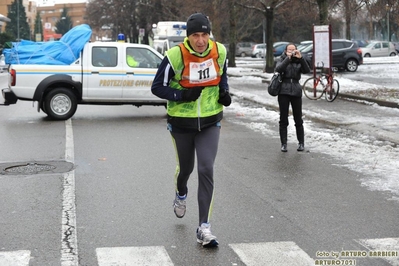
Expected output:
(205, 237)
(179, 206)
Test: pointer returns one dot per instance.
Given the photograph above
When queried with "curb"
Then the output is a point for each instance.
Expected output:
(379, 102)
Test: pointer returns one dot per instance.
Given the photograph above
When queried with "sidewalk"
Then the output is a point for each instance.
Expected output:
(341, 95)
(364, 117)
(380, 97)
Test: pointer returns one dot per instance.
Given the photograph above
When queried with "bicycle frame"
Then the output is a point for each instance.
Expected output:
(321, 84)
(319, 79)
(328, 87)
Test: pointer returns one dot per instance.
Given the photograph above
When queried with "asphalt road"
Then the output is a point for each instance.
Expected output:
(115, 206)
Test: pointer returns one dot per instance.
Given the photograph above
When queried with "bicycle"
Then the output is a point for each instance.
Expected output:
(324, 83)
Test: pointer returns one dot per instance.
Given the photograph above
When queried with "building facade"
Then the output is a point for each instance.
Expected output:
(30, 10)
(50, 14)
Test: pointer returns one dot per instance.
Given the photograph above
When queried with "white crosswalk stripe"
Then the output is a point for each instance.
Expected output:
(133, 256)
(378, 246)
(272, 253)
(251, 254)
(15, 258)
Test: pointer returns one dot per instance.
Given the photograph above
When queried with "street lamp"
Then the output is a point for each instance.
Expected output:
(389, 37)
(18, 21)
(388, 10)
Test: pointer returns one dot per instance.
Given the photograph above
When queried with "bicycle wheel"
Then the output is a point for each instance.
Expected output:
(313, 88)
(332, 92)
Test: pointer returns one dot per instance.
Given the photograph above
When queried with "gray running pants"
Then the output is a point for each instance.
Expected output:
(204, 144)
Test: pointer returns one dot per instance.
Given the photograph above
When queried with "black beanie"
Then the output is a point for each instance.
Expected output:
(198, 22)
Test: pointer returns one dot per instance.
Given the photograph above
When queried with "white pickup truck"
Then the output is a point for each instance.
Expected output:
(101, 75)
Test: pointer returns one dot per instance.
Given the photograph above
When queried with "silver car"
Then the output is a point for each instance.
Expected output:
(379, 48)
(244, 48)
(259, 50)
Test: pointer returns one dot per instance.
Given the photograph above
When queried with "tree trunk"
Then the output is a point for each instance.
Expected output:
(232, 35)
(215, 18)
(323, 11)
(348, 12)
(269, 41)
(371, 27)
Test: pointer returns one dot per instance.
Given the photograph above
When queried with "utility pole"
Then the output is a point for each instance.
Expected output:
(388, 9)
(17, 20)
(389, 37)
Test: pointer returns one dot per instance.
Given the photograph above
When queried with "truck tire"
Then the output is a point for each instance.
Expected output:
(60, 104)
(43, 107)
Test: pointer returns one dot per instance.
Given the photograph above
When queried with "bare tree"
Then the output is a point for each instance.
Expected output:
(243, 20)
(232, 35)
(267, 8)
(100, 15)
(347, 19)
(323, 11)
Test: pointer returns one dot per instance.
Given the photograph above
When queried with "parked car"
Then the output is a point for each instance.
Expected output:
(396, 46)
(303, 45)
(361, 43)
(379, 48)
(259, 50)
(346, 55)
(244, 49)
(278, 48)
(275, 44)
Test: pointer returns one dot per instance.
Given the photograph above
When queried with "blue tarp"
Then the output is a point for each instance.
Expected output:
(62, 52)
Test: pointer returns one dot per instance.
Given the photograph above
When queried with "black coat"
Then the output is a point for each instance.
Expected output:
(291, 70)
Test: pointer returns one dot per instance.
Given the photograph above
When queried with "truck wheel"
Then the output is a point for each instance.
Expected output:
(43, 107)
(60, 104)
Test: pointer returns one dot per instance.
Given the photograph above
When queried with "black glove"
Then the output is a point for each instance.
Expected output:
(191, 94)
(224, 97)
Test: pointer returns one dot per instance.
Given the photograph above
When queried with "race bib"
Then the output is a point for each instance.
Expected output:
(202, 72)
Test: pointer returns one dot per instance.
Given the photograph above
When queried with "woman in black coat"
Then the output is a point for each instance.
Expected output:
(291, 65)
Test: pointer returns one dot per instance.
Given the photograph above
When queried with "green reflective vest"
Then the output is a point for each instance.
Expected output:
(207, 104)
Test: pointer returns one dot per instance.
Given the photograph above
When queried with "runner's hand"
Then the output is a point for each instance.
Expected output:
(224, 97)
(191, 94)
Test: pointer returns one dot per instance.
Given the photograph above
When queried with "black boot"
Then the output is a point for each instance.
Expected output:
(301, 147)
(283, 138)
(300, 135)
(284, 147)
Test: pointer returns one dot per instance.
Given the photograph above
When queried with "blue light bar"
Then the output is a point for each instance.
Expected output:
(179, 26)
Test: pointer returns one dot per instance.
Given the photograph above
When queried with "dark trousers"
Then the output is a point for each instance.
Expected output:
(204, 144)
(296, 104)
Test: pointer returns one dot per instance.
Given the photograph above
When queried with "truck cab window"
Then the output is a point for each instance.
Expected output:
(141, 57)
(104, 56)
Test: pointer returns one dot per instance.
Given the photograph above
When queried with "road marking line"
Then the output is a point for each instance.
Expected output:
(15, 258)
(133, 256)
(276, 254)
(69, 243)
(383, 245)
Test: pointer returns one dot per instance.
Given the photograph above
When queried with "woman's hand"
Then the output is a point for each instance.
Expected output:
(296, 54)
